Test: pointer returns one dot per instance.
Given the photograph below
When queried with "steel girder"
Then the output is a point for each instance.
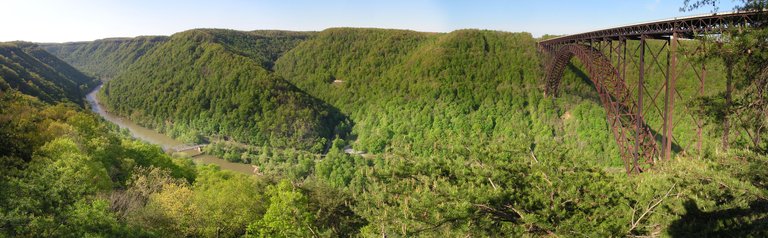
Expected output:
(686, 27)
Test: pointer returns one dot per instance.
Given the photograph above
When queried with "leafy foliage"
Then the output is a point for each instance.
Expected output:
(287, 215)
(51, 183)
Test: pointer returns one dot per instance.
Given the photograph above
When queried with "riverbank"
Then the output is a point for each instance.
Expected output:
(156, 138)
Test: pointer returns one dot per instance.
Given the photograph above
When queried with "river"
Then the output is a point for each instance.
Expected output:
(154, 137)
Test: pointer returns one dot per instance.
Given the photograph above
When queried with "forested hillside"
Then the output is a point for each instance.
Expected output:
(28, 68)
(465, 93)
(459, 139)
(214, 83)
(105, 58)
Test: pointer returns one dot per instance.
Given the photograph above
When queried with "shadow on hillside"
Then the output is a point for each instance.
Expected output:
(737, 222)
(592, 96)
(658, 136)
(596, 99)
(336, 122)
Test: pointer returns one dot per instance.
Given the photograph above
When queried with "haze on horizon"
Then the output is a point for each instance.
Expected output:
(85, 20)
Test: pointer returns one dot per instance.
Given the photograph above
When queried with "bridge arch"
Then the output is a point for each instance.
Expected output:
(624, 116)
(630, 131)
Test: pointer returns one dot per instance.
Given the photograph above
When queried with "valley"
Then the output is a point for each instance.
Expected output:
(380, 132)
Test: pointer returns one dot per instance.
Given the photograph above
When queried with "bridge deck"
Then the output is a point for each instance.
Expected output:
(686, 27)
(186, 147)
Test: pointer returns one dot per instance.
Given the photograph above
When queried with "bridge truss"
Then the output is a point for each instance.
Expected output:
(627, 98)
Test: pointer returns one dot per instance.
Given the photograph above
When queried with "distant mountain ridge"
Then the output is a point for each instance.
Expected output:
(104, 58)
(33, 71)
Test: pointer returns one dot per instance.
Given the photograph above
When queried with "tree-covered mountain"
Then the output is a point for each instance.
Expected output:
(467, 93)
(104, 58)
(28, 68)
(216, 83)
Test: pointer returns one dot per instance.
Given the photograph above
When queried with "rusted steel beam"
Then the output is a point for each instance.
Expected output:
(639, 112)
(701, 75)
(700, 121)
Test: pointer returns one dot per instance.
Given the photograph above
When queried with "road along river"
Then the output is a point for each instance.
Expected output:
(153, 137)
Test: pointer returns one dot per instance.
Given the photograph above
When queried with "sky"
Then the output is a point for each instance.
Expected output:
(86, 20)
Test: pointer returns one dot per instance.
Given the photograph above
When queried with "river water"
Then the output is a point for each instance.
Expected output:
(154, 137)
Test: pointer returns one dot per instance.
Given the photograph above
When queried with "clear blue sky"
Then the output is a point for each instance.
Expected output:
(81, 20)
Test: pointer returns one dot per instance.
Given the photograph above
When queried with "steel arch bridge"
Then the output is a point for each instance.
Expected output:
(606, 54)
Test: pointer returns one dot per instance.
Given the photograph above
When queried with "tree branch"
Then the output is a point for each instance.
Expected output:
(640, 218)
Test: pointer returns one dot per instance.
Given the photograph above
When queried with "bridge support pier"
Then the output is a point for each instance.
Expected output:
(639, 112)
(669, 97)
(699, 120)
